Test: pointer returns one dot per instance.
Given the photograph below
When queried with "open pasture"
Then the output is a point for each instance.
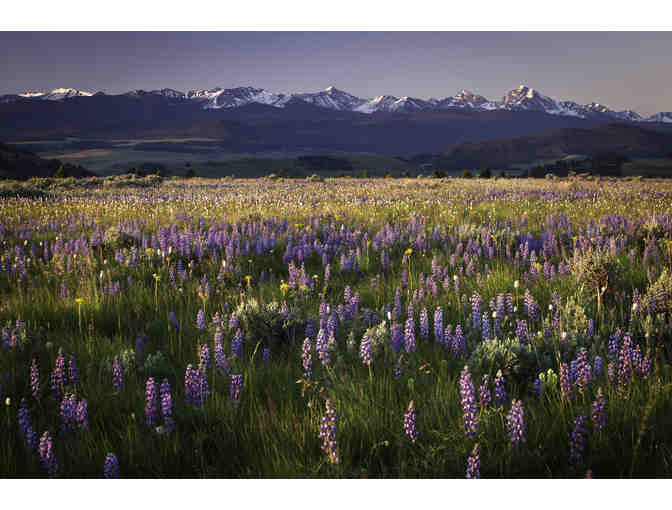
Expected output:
(345, 328)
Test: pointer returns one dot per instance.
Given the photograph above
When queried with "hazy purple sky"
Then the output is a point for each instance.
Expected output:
(619, 69)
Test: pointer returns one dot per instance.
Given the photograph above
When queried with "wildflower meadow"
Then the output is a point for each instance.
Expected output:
(398, 328)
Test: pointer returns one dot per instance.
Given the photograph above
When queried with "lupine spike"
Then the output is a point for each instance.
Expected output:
(515, 423)
(474, 464)
(328, 433)
(467, 394)
(35, 387)
(151, 402)
(410, 426)
(111, 467)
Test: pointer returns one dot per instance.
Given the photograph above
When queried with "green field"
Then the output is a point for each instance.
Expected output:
(396, 328)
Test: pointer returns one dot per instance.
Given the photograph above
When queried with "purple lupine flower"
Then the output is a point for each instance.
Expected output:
(438, 325)
(565, 384)
(476, 310)
(111, 467)
(139, 345)
(47, 456)
(409, 335)
(459, 343)
(646, 365)
(191, 395)
(167, 405)
(537, 387)
(448, 337)
(236, 389)
(484, 394)
(583, 370)
(577, 443)
(204, 357)
(117, 374)
(58, 375)
(522, 332)
(64, 290)
(398, 367)
(25, 427)
(35, 380)
(397, 336)
(485, 327)
(365, 349)
(322, 348)
(515, 423)
(396, 310)
(613, 345)
(611, 371)
(625, 355)
(200, 320)
(202, 388)
(410, 427)
(310, 328)
(266, 356)
(597, 366)
(573, 371)
(237, 344)
(307, 358)
(500, 313)
(636, 360)
(468, 399)
(424, 324)
(73, 372)
(328, 431)
(531, 307)
(151, 402)
(233, 321)
(173, 320)
(500, 390)
(598, 414)
(590, 330)
(474, 464)
(67, 412)
(221, 363)
(82, 415)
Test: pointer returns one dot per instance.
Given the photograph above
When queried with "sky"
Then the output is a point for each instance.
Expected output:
(619, 69)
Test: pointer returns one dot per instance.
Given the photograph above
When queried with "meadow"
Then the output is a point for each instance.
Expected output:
(400, 328)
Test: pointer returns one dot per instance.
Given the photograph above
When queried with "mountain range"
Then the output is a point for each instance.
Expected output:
(523, 98)
(248, 120)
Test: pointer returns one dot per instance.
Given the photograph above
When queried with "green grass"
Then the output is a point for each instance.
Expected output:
(274, 430)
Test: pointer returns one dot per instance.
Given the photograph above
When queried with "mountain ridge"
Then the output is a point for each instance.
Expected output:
(523, 98)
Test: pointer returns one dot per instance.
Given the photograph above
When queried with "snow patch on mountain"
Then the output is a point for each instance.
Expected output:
(660, 117)
(56, 94)
(523, 98)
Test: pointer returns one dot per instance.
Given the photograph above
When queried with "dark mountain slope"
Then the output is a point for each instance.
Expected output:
(18, 164)
(624, 139)
(298, 126)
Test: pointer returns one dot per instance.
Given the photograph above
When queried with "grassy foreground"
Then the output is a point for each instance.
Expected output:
(145, 303)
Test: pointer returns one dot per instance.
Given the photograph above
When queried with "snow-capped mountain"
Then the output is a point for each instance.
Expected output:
(56, 94)
(169, 93)
(393, 104)
(236, 97)
(332, 98)
(660, 117)
(523, 98)
(465, 99)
